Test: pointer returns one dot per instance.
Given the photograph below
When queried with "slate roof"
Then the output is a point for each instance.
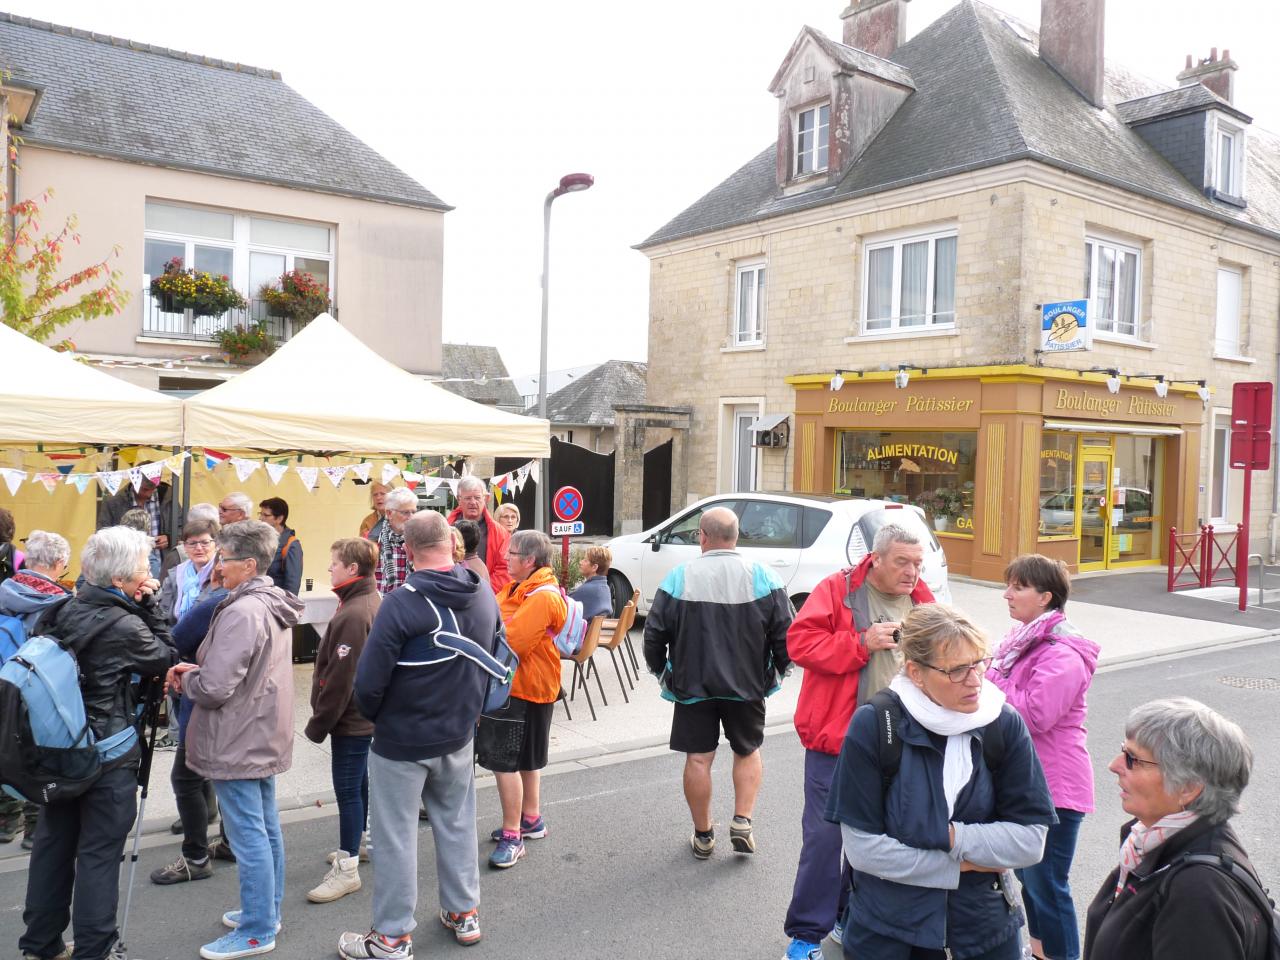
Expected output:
(984, 97)
(1185, 99)
(131, 101)
(590, 399)
(462, 365)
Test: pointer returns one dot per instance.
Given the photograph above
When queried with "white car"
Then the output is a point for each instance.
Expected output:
(803, 537)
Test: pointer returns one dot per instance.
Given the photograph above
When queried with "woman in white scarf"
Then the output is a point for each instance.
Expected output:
(931, 848)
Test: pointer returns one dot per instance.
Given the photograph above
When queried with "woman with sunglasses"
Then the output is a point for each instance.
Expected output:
(1181, 771)
(1044, 668)
(931, 847)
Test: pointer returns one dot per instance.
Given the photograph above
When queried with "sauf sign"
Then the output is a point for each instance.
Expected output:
(1065, 326)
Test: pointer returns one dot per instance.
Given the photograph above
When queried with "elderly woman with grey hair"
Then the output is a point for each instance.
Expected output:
(35, 589)
(240, 734)
(115, 629)
(1174, 895)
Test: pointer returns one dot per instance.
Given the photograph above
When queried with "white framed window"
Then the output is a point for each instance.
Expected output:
(1226, 157)
(1226, 337)
(748, 304)
(910, 282)
(1220, 469)
(1113, 284)
(813, 129)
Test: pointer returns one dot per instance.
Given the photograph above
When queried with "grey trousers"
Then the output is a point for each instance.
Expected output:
(447, 786)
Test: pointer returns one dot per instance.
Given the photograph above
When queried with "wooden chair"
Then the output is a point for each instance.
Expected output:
(635, 604)
(612, 635)
(589, 644)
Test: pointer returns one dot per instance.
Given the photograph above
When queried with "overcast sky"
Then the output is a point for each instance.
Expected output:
(487, 104)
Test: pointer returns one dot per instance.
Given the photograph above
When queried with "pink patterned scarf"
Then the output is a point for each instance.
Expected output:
(1020, 639)
(1142, 840)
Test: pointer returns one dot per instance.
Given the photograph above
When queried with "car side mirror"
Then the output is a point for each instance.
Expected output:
(657, 542)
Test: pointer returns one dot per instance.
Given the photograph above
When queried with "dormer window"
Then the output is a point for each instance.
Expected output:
(813, 128)
(1228, 159)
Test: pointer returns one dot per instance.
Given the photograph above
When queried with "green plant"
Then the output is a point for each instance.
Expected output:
(240, 341)
(203, 293)
(557, 564)
(943, 502)
(297, 295)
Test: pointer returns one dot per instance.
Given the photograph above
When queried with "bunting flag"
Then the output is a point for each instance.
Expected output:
(361, 470)
(111, 480)
(80, 480)
(64, 462)
(174, 464)
(335, 475)
(535, 472)
(152, 471)
(136, 478)
(213, 457)
(49, 480)
(309, 476)
(453, 486)
(244, 468)
(431, 484)
(275, 471)
(522, 477)
(411, 479)
(13, 478)
(389, 472)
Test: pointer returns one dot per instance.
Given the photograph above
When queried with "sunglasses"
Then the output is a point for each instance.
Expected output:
(1130, 759)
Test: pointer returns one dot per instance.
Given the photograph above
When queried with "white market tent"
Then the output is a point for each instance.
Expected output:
(50, 397)
(324, 390)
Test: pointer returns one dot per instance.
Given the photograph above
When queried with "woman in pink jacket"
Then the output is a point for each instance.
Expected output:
(1044, 668)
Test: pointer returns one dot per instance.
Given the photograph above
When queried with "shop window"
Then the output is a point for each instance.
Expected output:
(930, 469)
(748, 310)
(1135, 501)
(1226, 341)
(910, 283)
(1112, 281)
(1058, 495)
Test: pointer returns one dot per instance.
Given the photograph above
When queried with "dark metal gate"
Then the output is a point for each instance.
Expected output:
(592, 474)
(656, 497)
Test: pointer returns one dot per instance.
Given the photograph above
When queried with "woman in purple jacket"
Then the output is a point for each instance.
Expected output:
(1044, 668)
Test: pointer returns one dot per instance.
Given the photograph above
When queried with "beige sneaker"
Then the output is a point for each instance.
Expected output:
(343, 878)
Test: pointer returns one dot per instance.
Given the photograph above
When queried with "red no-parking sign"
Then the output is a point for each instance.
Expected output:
(567, 504)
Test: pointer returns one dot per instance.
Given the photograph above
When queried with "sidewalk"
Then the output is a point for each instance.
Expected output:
(1124, 633)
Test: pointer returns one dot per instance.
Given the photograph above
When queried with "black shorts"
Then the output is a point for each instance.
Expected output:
(695, 727)
(518, 737)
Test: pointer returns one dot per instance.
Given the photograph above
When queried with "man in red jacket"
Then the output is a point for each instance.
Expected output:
(473, 505)
(844, 640)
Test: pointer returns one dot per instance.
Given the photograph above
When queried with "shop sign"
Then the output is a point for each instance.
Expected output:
(878, 408)
(924, 451)
(1107, 405)
(1065, 326)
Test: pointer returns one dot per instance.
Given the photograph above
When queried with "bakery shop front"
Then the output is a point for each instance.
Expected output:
(1010, 460)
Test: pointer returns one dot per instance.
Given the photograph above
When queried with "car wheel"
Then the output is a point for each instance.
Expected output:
(798, 600)
(621, 591)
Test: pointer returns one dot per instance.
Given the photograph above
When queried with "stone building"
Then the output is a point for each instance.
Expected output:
(881, 274)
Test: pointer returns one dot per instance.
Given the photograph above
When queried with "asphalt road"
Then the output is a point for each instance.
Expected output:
(615, 878)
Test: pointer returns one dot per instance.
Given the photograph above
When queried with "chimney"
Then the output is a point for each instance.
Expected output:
(1217, 75)
(1071, 43)
(877, 26)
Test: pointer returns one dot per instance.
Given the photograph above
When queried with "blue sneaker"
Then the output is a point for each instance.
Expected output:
(506, 853)
(234, 945)
(529, 830)
(803, 950)
(232, 919)
(837, 933)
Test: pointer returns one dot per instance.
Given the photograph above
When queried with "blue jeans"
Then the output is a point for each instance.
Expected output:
(350, 766)
(252, 824)
(1046, 890)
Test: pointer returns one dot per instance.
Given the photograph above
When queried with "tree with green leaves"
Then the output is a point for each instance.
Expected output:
(36, 297)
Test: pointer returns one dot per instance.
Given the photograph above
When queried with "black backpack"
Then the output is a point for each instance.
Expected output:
(888, 708)
(7, 561)
(1228, 865)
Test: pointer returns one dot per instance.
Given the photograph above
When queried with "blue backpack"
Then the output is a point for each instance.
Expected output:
(48, 752)
(447, 644)
(571, 636)
(12, 635)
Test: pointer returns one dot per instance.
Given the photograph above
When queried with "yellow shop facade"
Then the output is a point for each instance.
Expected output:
(1010, 459)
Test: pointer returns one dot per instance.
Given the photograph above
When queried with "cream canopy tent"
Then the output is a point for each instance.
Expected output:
(49, 397)
(324, 390)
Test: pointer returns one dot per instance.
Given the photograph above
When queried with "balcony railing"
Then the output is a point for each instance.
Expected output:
(182, 325)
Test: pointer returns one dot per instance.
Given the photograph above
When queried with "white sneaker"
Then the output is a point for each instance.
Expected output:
(343, 878)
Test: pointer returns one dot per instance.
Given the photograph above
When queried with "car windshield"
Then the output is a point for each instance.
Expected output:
(869, 525)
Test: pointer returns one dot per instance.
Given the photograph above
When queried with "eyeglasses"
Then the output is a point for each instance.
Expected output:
(403, 513)
(960, 674)
(202, 544)
(236, 559)
(1130, 759)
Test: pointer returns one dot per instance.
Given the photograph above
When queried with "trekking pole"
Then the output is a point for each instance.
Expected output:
(150, 717)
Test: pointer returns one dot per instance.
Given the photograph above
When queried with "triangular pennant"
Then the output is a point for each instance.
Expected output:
(389, 472)
(453, 486)
(13, 478)
(152, 471)
(431, 484)
(111, 480)
(275, 471)
(214, 457)
(81, 480)
(336, 474)
(361, 470)
(49, 480)
(136, 478)
(535, 472)
(411, 479)
(244, 468)
(65, 468)
(309, 476)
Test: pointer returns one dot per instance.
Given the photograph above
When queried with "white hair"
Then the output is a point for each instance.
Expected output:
(114, 553)
(45, 549)
(242, 502)
(203, 511)
(249, 538)
(471, 483)
(400, 498)
(890, 534)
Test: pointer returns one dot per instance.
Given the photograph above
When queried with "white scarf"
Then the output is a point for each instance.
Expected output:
(957, 727)
(1142, 840)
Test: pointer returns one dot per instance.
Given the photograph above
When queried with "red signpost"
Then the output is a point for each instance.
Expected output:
(1251, 405)
(567, 505)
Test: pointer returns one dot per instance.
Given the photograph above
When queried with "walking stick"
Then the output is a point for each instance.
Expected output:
(150, 718)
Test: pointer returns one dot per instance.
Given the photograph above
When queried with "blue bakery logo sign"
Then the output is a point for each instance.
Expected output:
(1065, 326)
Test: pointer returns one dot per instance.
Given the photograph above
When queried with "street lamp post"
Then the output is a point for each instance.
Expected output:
(569, 183)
